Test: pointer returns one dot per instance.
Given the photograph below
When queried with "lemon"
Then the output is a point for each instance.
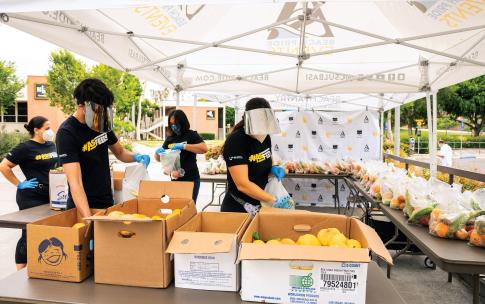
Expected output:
(308, 240)
(170, 216)
(333, 230)
(258, 242)
(326, 235)
(338, 240)
(78, 225)
(273, 242)
(287, 241)
(156, 217)
(116, 213)
(138, 215)
(353, 244)
(176, 211)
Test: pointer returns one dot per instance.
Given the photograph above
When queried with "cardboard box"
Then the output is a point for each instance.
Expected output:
(58, 189)
(132, 253)
(56, 251)
(205, 251)
(306, 274)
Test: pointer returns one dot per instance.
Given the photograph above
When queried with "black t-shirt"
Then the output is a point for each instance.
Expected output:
(188, 160)
(77, 143)
(35, 159)
(242, 149)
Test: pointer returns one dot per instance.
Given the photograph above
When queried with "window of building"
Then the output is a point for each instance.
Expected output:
(22, 112)
(9, 114)
(15, 113)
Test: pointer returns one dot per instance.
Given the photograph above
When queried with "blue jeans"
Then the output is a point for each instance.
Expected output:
(195, 193)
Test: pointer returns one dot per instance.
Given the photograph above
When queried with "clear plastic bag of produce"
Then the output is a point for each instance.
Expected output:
(276, 188)
(477, 234)
(170, 160)
(452, 217)
(215, 166)
(398, 200)
(418, 206)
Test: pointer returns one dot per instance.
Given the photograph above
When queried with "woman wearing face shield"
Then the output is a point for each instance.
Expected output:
(247, 152)
(189, 143)
(35, 158)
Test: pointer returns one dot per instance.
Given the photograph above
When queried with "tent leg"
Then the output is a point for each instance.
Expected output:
(194, 113)
(381, 155)
(435, 130)
(430, 135)
(397, 130)
(163, 120)
(224, 122)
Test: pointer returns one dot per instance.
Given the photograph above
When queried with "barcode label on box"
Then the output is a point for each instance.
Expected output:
(337, 277)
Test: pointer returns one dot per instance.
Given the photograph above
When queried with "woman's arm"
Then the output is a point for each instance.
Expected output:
(240, 177)
(6, 167)
(200, 148)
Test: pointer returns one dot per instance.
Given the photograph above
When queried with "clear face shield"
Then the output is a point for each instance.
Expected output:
(261, 122)
(98, 117)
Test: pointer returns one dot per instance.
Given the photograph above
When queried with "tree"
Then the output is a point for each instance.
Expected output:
(467, 100)
(10, 85)
(412, 111)
(126, 88)
(230, 116)
(65, 73)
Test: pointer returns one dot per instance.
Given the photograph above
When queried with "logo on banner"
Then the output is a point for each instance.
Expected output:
(366, 148)
(349, 120)
(314, 134)
(366, 119)
(304, 197)
(305, 120)
(284, 134)
(349, 148)
(342, 134)
(320, 121)
(304, 148)
(320, 148)
(328, 134)
(298, 134)
(335, 148)
(320, 198)
(335, 120)
(342, 188)
(375, 133)
(291, 119)
(314, 187)
(290, 194)
(297, 187)
(359, 133)
(276, 147)
(290, 148)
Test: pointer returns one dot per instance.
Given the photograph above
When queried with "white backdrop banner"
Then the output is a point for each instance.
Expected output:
(324, 136)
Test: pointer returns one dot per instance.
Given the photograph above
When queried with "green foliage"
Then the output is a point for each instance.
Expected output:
(123, 127)
(230, 116)
(10, 85)
(445, 123)
(126, 88)
(466, 99)
(65, 73)
(207, 136)
(10, 140)
(412, 111)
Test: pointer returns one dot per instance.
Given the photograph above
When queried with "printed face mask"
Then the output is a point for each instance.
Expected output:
(175, 128)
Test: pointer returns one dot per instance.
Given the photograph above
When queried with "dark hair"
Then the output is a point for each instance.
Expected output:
(94, 90)
(180, 119)
(36, 122)
(252, 104)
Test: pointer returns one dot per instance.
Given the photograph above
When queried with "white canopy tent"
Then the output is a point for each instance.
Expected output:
(391, 52)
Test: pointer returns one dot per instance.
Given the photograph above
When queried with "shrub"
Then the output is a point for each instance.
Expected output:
(10, 140)
(207, 136)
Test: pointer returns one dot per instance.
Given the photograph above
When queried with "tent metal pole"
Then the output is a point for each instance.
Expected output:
(387, 99)
(457, 61)
(435, 130)
(194, 113)
(177, 105)
(417, 47)
(163, 120)
(397, 130)
(223, 122)
(381, 150)
(216, 43)
(301, 49)
(430, 134)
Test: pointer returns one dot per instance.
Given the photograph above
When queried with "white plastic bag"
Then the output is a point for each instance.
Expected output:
(131, 181)
(170, 160)
(276, 188)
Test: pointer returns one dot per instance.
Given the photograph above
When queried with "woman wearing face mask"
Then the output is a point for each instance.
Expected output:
(247, 152)
(35, 158)
(189, 143)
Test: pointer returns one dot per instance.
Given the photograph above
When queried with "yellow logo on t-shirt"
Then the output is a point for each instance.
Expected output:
(261, 156)
(46, 156)
(93, 143)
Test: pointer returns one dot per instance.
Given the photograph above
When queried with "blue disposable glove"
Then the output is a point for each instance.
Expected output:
(142, 159)
(178, 147)
(279, 172)
(28, 184)
(282, 202)
(160, 150)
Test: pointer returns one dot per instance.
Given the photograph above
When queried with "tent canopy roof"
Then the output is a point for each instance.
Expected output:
(311, 50)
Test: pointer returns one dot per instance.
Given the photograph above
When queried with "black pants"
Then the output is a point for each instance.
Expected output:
(26, 199)
(229, 204)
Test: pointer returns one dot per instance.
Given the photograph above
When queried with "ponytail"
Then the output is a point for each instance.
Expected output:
(36, 122)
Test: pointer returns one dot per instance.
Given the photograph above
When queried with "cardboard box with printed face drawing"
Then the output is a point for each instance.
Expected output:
(131, 251)
(205, 251)
(306, 274)
(58, 251)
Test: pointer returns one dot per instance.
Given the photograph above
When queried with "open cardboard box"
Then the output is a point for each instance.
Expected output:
(56, 251)
(205, 251)
(132, 252)
(301, 274)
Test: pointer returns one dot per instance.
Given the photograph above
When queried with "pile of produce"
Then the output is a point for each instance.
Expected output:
(215, 166)
(312, 167)
(166, 214)
(213, 152)
(330, 237)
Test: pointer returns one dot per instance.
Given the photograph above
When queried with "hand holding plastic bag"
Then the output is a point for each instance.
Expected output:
(170, 160)
(131, 182)
(283, 199)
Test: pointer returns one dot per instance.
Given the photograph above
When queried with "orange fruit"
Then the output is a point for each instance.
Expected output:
(402, 205)
(475, 238)
(435, 214)
(376, 188)
(462, 234)
(401, 198)
(441, 229)
(394, 203)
